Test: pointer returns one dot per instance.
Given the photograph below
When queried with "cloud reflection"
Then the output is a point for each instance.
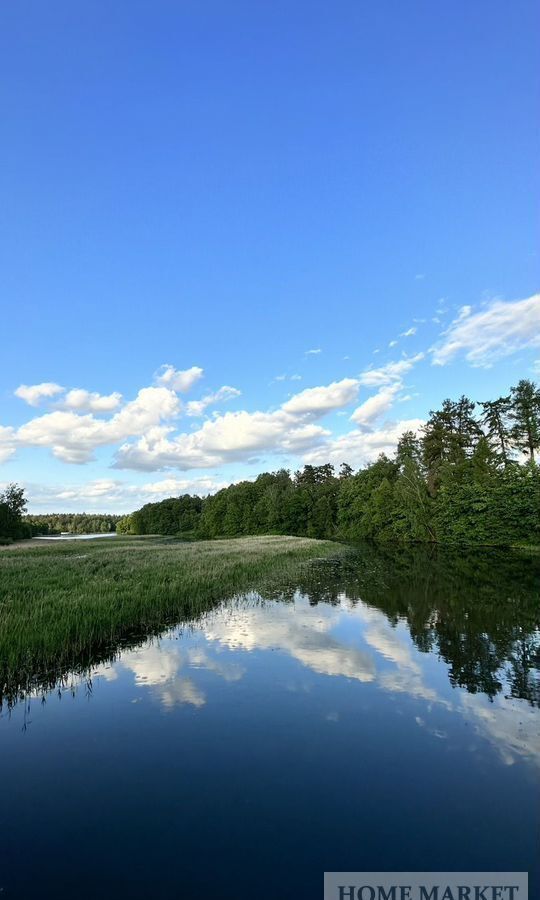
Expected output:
(352, 641)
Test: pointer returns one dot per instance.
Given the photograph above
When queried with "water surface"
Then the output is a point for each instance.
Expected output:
(381, 714)
(74, 537)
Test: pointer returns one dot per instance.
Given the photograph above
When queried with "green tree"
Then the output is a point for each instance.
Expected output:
(495, 422)
(408, 447)
(13, 497)
(414, 502)
(12, 506)
(449, 438)
(525, 417)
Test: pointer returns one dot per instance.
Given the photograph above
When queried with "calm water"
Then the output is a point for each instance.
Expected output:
(379, 715)
(75, 537)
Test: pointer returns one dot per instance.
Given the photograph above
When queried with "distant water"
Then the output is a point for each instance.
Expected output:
(74, 537)
(385, 717)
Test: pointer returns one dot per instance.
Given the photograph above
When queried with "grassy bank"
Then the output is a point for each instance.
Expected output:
(67, 605)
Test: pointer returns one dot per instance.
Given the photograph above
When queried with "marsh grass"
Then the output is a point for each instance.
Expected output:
(66, 607)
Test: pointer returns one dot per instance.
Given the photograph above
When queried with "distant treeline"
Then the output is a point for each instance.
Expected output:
(470, 477)
(74, 523)
(15, 525)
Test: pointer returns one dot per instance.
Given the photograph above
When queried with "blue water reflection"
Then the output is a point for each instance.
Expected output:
(246, 754)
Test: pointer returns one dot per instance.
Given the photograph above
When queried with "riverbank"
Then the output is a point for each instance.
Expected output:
(63, 605)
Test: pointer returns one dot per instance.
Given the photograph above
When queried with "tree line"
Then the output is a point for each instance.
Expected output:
(470, 476)
(74, 523)
(15, 525)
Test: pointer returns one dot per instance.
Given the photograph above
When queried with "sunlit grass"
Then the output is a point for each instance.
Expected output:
(65, 605)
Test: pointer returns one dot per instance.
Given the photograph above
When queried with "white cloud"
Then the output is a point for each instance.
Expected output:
(80, 399)
(391, 372)
(241, 435)
(359, 447)
(392, 344)
(374, 407)
(112, 495)
(229, 437)
(7, 442)
(198, 407)
(314, 352)
(74, 437)
(289, 377)
(173, 487)
(497, 330)
(409, 333)
(372, 441)
(77, 398)
(33, 394)
(320, 400)
(180, 381)
(145, 434)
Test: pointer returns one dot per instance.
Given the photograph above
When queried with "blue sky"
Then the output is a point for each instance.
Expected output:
(226, 186)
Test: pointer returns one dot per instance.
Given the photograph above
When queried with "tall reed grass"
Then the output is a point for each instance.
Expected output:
(66, 606)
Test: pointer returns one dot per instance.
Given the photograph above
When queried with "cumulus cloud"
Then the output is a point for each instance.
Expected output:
(7, 442)
(359, 447)
(363, 446)
(77, 398)
(497, 330)
(198, 407)
(409, 332)
(145, 433)
(108, 494)
(241, 435)
(74, 437)
(91, 401)
(226, 438)
(33, 394)
(374, 407)
(314, 352)
(320, 400)
(178, 380)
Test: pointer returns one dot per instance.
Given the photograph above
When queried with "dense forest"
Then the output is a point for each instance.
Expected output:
(469, 477)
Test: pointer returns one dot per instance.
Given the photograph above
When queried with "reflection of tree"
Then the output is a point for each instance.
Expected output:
(523, 671)
(480, 611)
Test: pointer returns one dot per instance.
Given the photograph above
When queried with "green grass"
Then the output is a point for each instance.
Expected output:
(68, 605)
